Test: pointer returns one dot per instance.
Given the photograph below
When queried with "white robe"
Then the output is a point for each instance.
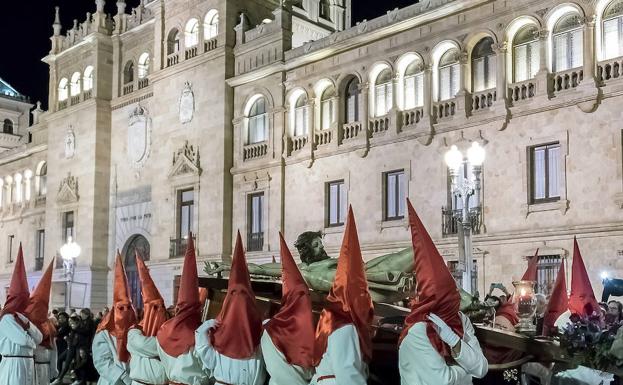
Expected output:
(15, 341)
(145, 365)
(105, 359)
(281, 372)
(421, 364)
(249, 371)
(45, 363)
(342, 359)
(184, 369)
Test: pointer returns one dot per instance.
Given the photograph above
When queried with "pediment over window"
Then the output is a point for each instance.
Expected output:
(68, 190)
(185, 162)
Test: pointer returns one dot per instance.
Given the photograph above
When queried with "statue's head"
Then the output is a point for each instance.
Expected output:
(310, 247)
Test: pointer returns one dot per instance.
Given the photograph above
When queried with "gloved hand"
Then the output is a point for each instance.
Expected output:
(446, 334)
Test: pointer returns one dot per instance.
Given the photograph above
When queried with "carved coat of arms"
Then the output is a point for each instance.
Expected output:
(70, 143)
(187, 104)
(139, 136)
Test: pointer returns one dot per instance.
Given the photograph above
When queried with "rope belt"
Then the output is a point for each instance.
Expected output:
(322, 378)
(31, 357)
(147, 383)
(41, 363)
(222, 383)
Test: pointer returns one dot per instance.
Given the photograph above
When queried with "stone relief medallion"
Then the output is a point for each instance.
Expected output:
(187, 104)
(139, 137)
(70, 143)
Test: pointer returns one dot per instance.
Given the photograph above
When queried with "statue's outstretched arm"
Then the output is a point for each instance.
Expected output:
(267, 269)
(319, 279)
(401, 261)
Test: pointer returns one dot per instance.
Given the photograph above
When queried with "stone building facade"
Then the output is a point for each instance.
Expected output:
(262, 116)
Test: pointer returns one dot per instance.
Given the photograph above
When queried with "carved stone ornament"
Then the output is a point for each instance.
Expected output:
(139, 137)
(187, 104)
(68, 190)
(70, 143)
(185, 162)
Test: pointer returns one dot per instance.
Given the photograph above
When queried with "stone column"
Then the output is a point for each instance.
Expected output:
(395, 114)
(240, 139)
(311, 126)
(335, 120)
(589, 49)
(428, 92)
(463, 97)
(543, 85)
(501, 87)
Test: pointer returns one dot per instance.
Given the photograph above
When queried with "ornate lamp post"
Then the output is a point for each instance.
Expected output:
(69, 252)
(462, 192)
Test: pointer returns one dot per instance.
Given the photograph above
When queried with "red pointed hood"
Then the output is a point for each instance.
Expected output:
(349, 300)
(582, 300)
(177, 335)
(154, 310)
(18, 294)
(531, 271)
(240, 330)
(39, 305)
(436, 288)
(558, 302)
(122, 317)
(292, 328)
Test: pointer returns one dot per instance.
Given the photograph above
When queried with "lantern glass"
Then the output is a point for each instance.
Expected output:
(525, 305)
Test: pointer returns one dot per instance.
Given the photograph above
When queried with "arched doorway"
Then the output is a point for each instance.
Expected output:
(135, 243)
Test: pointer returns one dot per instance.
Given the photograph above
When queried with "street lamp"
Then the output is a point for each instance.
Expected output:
(462, 192)
(69, 252)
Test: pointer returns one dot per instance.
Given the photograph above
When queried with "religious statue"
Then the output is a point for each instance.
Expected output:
(390, 276)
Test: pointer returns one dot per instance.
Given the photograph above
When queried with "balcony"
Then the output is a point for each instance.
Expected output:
(483, 100)
(378, 125)
(351, 131)
(299, 142)
(323, 137)
(142, 83)
(444, 110)
(75, 100)
(522, 91)
(450, 222)
(62, 104)
(610, 69)
(255, 150)
(209, 45)
(87, 94)
(412, 117)
(177, 247)
(40, 201)
(173, 59)
(255, 241)
(128, 89)
(190, 52)
(9, 140)
(567, 80)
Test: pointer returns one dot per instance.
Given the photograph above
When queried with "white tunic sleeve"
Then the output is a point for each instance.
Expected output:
(471, 357)
(104, 359)
(203, 347)
(347, 360)
(53, 359)
(12, 331)
(138, 344)
(420, 363)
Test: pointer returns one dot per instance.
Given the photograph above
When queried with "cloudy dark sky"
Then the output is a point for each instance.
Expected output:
(26, 27)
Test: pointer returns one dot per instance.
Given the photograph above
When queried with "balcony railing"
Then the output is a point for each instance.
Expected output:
(173, 59)
(177, 247)
(411, 117)
(255, 241)
(75, 100)
(87, 94)
(444, 109)
(323, 137)
(142, 83)
(483, 100)
(567, 79)
(378, 125)
(128, 89)
(210, 45)
(40, 201)
(610, 69)
(255, 150)
(522, 90)
(298, 142)
(191, 52)
(351, 131)
(62, 104)
(450, 221)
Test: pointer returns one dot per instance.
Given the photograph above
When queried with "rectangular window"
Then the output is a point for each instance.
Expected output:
(257, 128)
(414, 91)
(449, 81)
(526, 61)
(336, 203)
(395, 195)
(327, 114)
(68, 226)
(10, 241)
(185, 209)
(547, 272)
(255, 231)
(545, 178)
(612, 38)
(352, 108)
(300, 121)
(40, 250)
(484, 73)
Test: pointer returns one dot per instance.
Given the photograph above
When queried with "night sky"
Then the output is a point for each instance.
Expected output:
(27, 26)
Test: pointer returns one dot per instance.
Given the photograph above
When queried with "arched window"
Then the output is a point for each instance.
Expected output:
(383, 92)
(210, 25)
(143, 65)
(300, 116)
(87, 80)
(18, 187)
(173, 42)
(325, 9)
(525, 53)
(191, 33)
(7, 126)
(449, 74)
(258, 122)
(42, 179)
(75, 84)
(351, 101)
(326, 108)
(8, 181)
(483, 65)
(27, 184)
(613, 30)
(128, 73)
(414, 85)
(567, 43)
(63, 89)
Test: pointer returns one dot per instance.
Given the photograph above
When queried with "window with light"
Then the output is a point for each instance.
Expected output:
(63, 89)
(351, 101)
(526, 53)
(75, 84)
(300, 116)
(143, 66)
(87, 80)
(414, 85)
(191, 37)
(326, 108)
(383, 92)
(449, 74)
(258, 122)
(210, 26)
(483, 65)
(568, 43)
(613, 30)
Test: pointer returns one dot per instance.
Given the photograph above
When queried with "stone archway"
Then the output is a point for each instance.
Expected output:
(135, 243)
